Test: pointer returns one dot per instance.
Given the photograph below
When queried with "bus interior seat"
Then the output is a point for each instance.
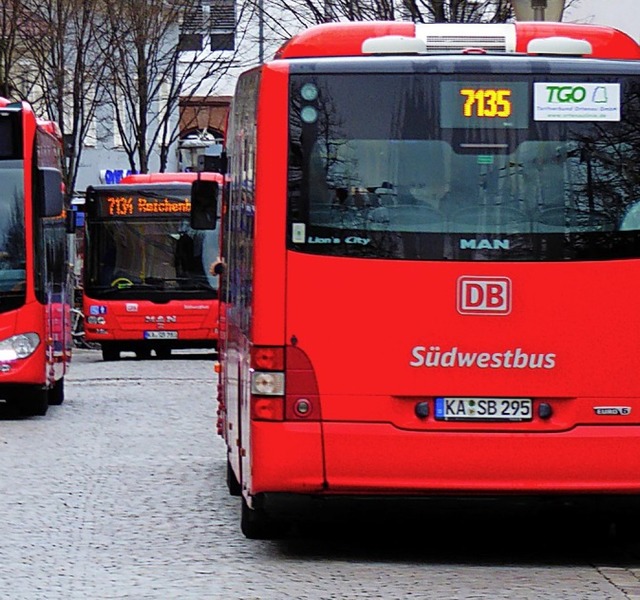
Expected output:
(416, 218)
(490, 219)
(560, 219)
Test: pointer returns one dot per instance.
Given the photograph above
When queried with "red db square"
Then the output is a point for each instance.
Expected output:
(484, 295)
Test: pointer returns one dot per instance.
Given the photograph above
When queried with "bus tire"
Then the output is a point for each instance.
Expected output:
(110, 353)
(257, 525)
(34, 402)
(56, 393)
(233, 485)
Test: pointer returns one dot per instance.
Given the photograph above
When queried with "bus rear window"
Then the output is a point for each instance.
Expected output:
(421, 183)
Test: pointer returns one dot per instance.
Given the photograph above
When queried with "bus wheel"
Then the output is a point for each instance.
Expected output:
(110, 353)
(34, 402)
(257, 525)
(56, 393)
(233, 485)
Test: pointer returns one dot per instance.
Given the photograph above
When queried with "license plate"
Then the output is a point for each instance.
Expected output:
(484, 409)
(160, 335)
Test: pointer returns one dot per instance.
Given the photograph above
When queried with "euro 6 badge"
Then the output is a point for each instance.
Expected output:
(484, 295)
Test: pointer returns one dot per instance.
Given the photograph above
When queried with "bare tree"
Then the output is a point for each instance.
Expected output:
(69, 67)
(285, 17)
(459, 11)
(148, 75)
(18, 25)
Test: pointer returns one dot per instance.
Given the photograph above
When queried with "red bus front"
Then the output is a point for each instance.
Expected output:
(147, 285)
(441, 304)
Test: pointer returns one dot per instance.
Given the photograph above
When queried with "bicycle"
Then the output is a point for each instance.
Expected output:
(77, 331)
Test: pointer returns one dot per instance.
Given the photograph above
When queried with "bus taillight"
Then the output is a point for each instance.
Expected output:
(267, 409)
(267, 358)
(282, 391)
(267, 383)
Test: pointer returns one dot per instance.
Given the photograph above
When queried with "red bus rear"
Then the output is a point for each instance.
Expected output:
(35, 341)
(147, 285)
(431, 252)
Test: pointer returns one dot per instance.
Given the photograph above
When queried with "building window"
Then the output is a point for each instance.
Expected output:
(223, 24)
(213, 18)
(223, 41)
(190, 42)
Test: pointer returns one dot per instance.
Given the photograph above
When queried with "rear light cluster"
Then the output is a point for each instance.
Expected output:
(275, 397)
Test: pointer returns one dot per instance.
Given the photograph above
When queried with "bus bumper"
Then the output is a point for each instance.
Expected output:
(379, 459)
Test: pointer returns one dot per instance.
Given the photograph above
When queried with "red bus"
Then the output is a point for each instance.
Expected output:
(35, 340)
(146, 281)
(432, 239)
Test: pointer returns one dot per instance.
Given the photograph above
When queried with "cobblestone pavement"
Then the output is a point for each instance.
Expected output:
(119, 493)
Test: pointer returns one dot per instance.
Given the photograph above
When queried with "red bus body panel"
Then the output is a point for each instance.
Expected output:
(346, 38)
(605, 41)
(341, 39)
(50, 361)
(373, 439)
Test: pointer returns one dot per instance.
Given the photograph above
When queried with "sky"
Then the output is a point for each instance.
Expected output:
(623, 14)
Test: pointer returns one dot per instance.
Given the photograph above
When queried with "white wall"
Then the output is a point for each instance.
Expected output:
(623, 14)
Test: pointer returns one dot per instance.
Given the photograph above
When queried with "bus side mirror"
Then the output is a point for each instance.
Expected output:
(50, 184)
(204, 204)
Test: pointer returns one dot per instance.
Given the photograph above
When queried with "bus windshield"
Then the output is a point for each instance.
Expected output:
(465, 166)
(12, 234)
(140, 244)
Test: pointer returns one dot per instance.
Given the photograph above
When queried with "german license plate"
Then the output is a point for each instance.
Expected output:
(160, 335)
(483, 409)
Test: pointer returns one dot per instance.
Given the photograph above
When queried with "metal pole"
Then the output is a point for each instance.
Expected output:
(538, 7)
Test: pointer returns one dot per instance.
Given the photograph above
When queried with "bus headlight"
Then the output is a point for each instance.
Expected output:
(19, 346)
(266, 383)
(95, 320)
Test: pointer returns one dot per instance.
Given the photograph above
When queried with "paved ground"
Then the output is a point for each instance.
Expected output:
(119, 493)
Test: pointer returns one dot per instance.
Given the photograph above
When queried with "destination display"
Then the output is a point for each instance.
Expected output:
(474, 105)
(138, 205)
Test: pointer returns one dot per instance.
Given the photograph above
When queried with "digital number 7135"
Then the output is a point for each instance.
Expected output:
(486, 103)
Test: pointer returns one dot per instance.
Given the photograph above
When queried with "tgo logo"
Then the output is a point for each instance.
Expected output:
(484, 295)
(567, 93)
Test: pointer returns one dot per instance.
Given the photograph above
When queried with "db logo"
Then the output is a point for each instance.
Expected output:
(484, 295)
